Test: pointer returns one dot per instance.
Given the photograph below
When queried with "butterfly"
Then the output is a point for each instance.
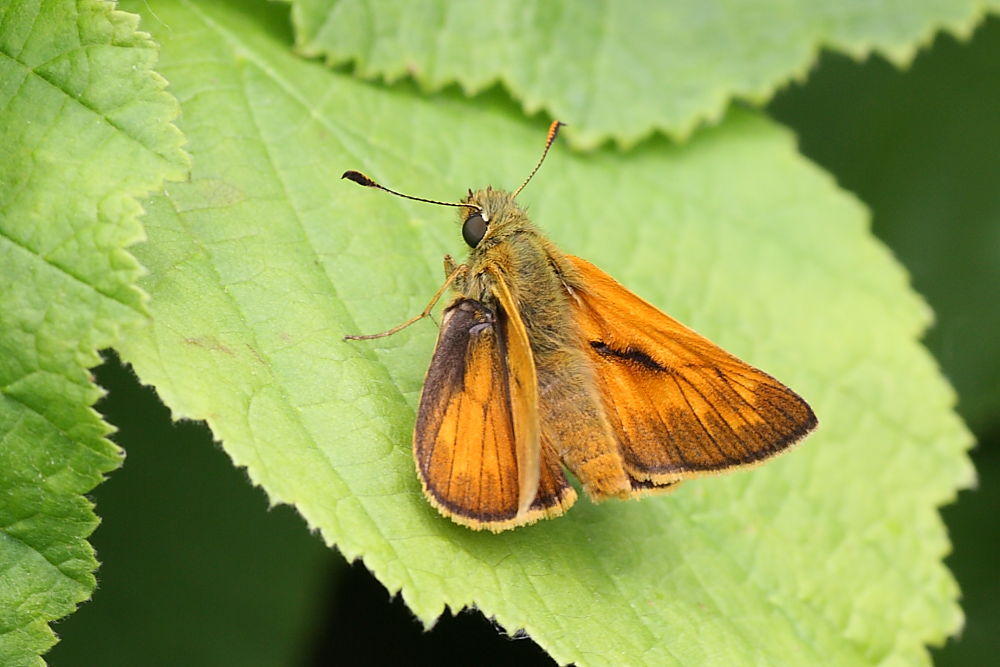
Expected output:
(544, 363)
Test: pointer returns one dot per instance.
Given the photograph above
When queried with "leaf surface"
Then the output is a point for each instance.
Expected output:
(265, 259)
(84, 129)
(618, 70)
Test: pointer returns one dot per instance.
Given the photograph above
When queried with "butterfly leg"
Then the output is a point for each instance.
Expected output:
(456, 271)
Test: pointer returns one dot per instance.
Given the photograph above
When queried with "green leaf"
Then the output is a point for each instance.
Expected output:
(618, 70)
(264, 259)
(84, 128)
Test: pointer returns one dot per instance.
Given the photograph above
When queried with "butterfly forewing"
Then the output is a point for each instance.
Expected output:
(465, 437)
(522, 380)
(679, 404)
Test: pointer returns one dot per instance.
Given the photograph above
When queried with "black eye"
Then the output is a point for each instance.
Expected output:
(474, 229)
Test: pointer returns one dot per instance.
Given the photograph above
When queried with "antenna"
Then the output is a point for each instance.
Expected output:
(361, 179)
(553, 131)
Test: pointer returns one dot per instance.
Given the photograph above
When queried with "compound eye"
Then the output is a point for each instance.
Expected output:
(474, 229)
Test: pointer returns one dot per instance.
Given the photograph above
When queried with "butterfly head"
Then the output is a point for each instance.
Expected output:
(489, 216)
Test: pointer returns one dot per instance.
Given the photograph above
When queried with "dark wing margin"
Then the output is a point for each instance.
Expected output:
(680, 406)
(464, 441)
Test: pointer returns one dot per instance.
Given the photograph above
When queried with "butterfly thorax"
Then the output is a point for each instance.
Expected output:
(536, 272)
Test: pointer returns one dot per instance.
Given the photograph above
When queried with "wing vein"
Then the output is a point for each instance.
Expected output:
(691, 409)
(722, 419)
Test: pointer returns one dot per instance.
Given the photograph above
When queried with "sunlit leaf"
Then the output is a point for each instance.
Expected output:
(264, 260)
(84, 129)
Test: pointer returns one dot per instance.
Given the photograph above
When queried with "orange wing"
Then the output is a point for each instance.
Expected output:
(680, 405)
(465, 441)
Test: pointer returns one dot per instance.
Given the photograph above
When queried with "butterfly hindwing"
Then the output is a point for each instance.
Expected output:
(465, 440)
(680, 405)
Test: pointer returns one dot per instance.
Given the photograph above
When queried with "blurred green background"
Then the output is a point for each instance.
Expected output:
(219, 578)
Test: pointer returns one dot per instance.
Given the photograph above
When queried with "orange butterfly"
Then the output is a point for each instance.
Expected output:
(545, 361)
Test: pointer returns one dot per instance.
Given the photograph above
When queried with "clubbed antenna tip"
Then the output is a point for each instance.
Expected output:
(361, 179)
